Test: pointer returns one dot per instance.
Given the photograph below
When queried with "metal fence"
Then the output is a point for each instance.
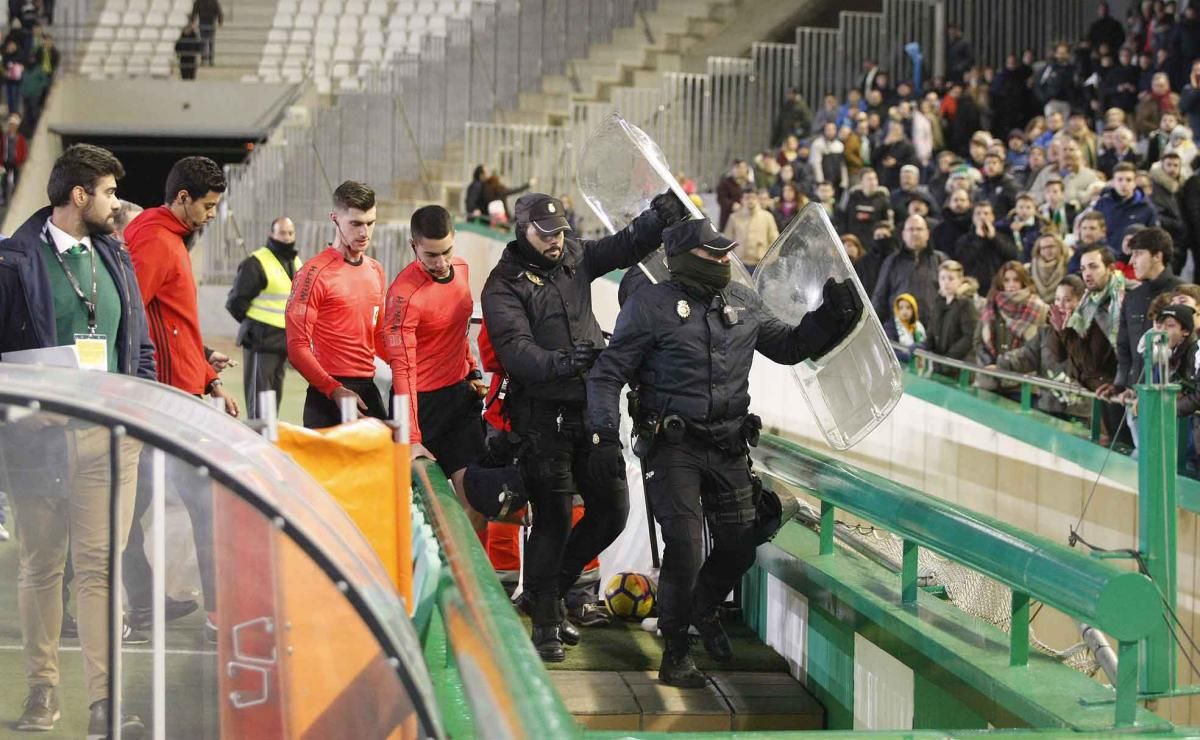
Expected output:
(395, 130)
(1001, 27)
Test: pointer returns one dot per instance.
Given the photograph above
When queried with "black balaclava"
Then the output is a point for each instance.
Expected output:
(702, 278)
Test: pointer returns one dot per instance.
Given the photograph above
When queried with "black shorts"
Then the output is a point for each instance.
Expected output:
(320, 412)
(451, 420)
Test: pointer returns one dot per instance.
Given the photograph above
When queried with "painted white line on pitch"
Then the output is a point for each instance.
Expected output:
(127, 650)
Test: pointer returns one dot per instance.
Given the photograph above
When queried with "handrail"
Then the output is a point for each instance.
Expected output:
(1122, 603)
(503, 657)
(1033, 380)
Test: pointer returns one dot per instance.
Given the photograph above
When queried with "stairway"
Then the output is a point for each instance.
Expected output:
(655, 44)
(239, 43)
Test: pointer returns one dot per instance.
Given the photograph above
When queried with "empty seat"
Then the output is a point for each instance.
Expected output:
(437, 23)
(324, 37)
(397, 23)
(343, 54)
(372, 37)
(349, 84)
(109, 18)
(287, 6)
(155, 18)
(177, 19)
(446, 7)
(149, 33)
(132, 18)
(164, 49)
(417, 23)
(372, 54)
(302, 36)
(397, 40)
(278, 36)
(323, 53)
(327, 22)
(127, 33)
(160, 68)
(309, 7)
(137, 66)
(292, 76)
(347, 22)
(104, 33)
(267, 67)
(143, 49)
(341, 70)
(272, 51)
(426, 8)
(324, 87)
(304, 21)
(298, 51)
(355, 7)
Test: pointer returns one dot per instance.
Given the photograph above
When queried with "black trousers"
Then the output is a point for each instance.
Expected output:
(555, 469)
(688, 483)
(197, 496)
(262, 371)
(321, 412)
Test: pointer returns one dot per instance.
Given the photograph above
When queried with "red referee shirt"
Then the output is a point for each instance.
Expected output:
(424, 332)
(332, 316)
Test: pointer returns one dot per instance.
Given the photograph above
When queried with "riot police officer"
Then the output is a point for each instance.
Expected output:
(687, 344)
(537, 305)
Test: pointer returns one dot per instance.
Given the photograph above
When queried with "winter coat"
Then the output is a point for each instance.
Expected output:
(954, 225)
(906, 272)
(981, 258)
(1036, 357)
(1001, 192)
(952, 327)
(1120, 213)
(1134, 323)
(1056, 82)
(864, 212)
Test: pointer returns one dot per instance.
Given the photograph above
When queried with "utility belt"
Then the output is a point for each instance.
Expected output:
(732, 436)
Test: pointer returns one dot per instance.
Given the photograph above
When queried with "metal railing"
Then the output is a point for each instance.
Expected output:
(1122, 603)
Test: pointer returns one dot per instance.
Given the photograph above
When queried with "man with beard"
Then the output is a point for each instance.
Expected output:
(985, 248)
(688, 344)
(537, 305)
(65, 281)
(334, 312)
(258, 301)
(1163, 184)
(424, 339)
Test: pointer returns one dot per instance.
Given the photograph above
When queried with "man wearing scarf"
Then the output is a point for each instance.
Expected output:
(1087, 341)
(537, 304)
(688, 343)
(257, 301)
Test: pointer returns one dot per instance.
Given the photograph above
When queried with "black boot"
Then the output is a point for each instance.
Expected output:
(712, 634)
(568, 631)
(547, 628)
(677, 666)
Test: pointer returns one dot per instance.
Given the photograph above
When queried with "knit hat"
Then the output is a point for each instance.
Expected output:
(1181, 313)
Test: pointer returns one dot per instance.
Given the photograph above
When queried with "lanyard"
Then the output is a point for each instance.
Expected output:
(90, 305)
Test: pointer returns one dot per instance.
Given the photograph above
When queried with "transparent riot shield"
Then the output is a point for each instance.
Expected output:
(854, 387)
(619, 170)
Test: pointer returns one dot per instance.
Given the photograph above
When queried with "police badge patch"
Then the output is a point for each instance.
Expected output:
(683, 309)
(535, 279)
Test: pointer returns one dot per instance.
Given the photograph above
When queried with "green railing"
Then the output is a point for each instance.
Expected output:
(1122, 603)
(507, 687)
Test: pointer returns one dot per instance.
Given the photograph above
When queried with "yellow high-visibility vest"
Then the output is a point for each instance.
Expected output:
(269, 305)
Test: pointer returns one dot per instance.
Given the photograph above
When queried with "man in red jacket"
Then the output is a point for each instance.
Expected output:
(334, 313)
(424, 339)
(155, 240)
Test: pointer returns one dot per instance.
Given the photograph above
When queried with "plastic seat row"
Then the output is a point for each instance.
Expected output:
(137, 18)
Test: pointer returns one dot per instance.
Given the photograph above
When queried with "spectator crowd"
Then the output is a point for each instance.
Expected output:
(30, 62)
(1038, 218)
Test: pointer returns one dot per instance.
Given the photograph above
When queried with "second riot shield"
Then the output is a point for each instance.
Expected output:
(854, 386)
(619, 170)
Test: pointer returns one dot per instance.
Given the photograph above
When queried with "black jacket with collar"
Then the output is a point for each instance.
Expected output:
(1134, 323)
(27, 301)
(535, 315)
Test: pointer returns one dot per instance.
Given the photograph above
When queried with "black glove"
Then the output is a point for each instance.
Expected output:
(837, 315)
(669, 208)
(578, 359)
(605, 461)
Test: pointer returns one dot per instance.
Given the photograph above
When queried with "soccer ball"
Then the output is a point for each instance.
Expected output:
(629, 596)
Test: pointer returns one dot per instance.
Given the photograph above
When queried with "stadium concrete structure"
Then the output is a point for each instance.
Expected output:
(934, 585)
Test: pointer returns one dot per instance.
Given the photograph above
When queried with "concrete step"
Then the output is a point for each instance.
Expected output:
(544, 101)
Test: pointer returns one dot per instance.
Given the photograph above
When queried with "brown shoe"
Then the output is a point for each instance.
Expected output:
(41, 710)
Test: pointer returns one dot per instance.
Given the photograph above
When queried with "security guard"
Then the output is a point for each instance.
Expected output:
(257, 301)
(688, 344)
(537, 305)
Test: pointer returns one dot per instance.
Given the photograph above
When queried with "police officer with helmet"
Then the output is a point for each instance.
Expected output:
(537, 305)
(688, 344)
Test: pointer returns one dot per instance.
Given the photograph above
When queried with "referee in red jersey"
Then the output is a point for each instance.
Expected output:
(428, 310)
(334, 311)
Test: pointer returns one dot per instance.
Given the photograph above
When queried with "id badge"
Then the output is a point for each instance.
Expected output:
(92, 350)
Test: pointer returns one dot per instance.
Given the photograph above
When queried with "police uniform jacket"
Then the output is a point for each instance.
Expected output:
(687, 361)
(535, 315)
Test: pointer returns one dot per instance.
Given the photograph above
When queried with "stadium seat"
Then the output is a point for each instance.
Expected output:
(417, 23)
(349, 84)
(308, 7)
(354, 7)
(397, 23)
(372, 54)
(150, 33)
(165, 49)
(378, 8)
(138, 5)
(446, 7)
(109, 18)
(160, 68)
(137, 66)
(324, 37)
(132, 19)
(437, 25)
(323, 53)
(304, 21)
(277, 36)
(372, 37)
(287, 7)
(292, 75)
(104, 33)
(327, 22)
(177, 19)
(323, 86)
(143, 49)
(406, 7)
(127, 33)
(341, 70)
(343, 54)
(272, 51)
(155, 18)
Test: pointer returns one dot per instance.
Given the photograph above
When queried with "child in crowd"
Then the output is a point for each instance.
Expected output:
(905, 326)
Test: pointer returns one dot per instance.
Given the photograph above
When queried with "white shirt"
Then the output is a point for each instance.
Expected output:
(64, 241)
